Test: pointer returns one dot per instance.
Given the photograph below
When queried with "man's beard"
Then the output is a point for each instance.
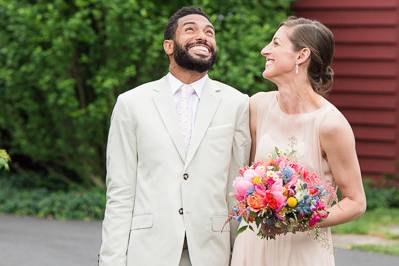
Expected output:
(185, 60)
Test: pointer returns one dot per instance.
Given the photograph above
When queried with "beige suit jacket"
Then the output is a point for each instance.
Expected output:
(156, 193)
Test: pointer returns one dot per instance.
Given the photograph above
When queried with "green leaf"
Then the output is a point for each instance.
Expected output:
(242, 229)
(4, 155)
(258, 221)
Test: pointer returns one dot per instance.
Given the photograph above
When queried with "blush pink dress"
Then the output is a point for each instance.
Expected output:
(301, 132)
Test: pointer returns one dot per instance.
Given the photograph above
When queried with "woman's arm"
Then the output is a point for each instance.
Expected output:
(338, 144)
(252, 124)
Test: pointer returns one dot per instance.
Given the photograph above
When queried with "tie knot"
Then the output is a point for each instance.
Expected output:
(186, 91)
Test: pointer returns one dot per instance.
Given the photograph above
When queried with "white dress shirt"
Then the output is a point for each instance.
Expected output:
(198, 85)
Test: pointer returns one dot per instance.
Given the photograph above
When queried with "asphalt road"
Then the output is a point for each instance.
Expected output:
(27, 241)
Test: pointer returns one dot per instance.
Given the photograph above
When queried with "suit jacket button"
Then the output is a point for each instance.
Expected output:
(181, 211)
(185, 176)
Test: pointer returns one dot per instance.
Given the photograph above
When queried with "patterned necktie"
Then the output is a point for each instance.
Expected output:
(185, 112)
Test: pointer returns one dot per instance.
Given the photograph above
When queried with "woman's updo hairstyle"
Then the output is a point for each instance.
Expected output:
(319, 40)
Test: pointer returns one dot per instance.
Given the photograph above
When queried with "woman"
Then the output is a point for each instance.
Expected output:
(297, 116)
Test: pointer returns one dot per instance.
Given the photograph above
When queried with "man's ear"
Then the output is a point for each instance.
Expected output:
(303, 56)
(168, 46)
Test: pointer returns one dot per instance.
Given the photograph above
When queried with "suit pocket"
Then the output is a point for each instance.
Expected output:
(221, 127)
(220, 132)
(218, 223)
(142, 221)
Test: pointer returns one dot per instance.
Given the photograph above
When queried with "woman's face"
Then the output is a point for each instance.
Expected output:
(280, 55)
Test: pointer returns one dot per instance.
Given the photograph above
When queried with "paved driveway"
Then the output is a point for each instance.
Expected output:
(35, 242)
(27, 241)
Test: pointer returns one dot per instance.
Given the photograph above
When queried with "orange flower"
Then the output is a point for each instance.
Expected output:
(255, 202)
(271, 162)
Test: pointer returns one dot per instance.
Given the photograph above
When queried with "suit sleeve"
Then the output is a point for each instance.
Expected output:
(121, 181)
(240, 155)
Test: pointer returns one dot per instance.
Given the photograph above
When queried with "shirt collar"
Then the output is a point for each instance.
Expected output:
(175, 84)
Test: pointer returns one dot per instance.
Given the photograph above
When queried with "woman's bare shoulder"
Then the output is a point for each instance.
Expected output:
(262, 97)
(335, 125)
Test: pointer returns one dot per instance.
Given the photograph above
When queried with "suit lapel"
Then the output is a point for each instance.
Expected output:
(164, 103)
(209, 103)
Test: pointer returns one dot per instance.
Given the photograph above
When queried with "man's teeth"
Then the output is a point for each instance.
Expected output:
(200, 48)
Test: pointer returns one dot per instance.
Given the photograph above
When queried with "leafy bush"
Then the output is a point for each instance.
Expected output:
(62, 64)
(381, 197)
(81, 205)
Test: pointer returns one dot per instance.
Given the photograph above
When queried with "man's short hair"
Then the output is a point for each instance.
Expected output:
(170, 30)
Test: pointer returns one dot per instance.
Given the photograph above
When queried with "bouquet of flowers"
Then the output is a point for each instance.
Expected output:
(280, 196)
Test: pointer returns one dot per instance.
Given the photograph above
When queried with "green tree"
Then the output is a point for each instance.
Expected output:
(63, 63)
(4, 159)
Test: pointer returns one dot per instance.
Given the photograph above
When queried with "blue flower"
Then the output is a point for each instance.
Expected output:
(304, 206)
(303, 209)
(250, 190)
(287, 173)
(269, 222)
(238, 218)
(322, 190)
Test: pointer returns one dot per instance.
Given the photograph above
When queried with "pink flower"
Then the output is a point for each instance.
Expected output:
(312, 179)
(314, 220)
(277, 191)
(260, 189)
(281, 162)
(297, 168)
(292, 182)
(242, 170)
(270, 181)
(249, 174)
(241, 186)
(305, 174)
(320, 206)
(260, 170)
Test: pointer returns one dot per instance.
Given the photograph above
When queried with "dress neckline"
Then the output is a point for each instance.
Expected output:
(322, 107)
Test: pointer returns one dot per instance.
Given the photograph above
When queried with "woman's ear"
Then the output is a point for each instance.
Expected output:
(168, 46)
(303, 56)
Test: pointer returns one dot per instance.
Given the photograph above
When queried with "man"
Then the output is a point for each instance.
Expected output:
(173, 146)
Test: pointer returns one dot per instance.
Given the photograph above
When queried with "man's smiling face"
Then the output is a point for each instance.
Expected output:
(194, 43)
